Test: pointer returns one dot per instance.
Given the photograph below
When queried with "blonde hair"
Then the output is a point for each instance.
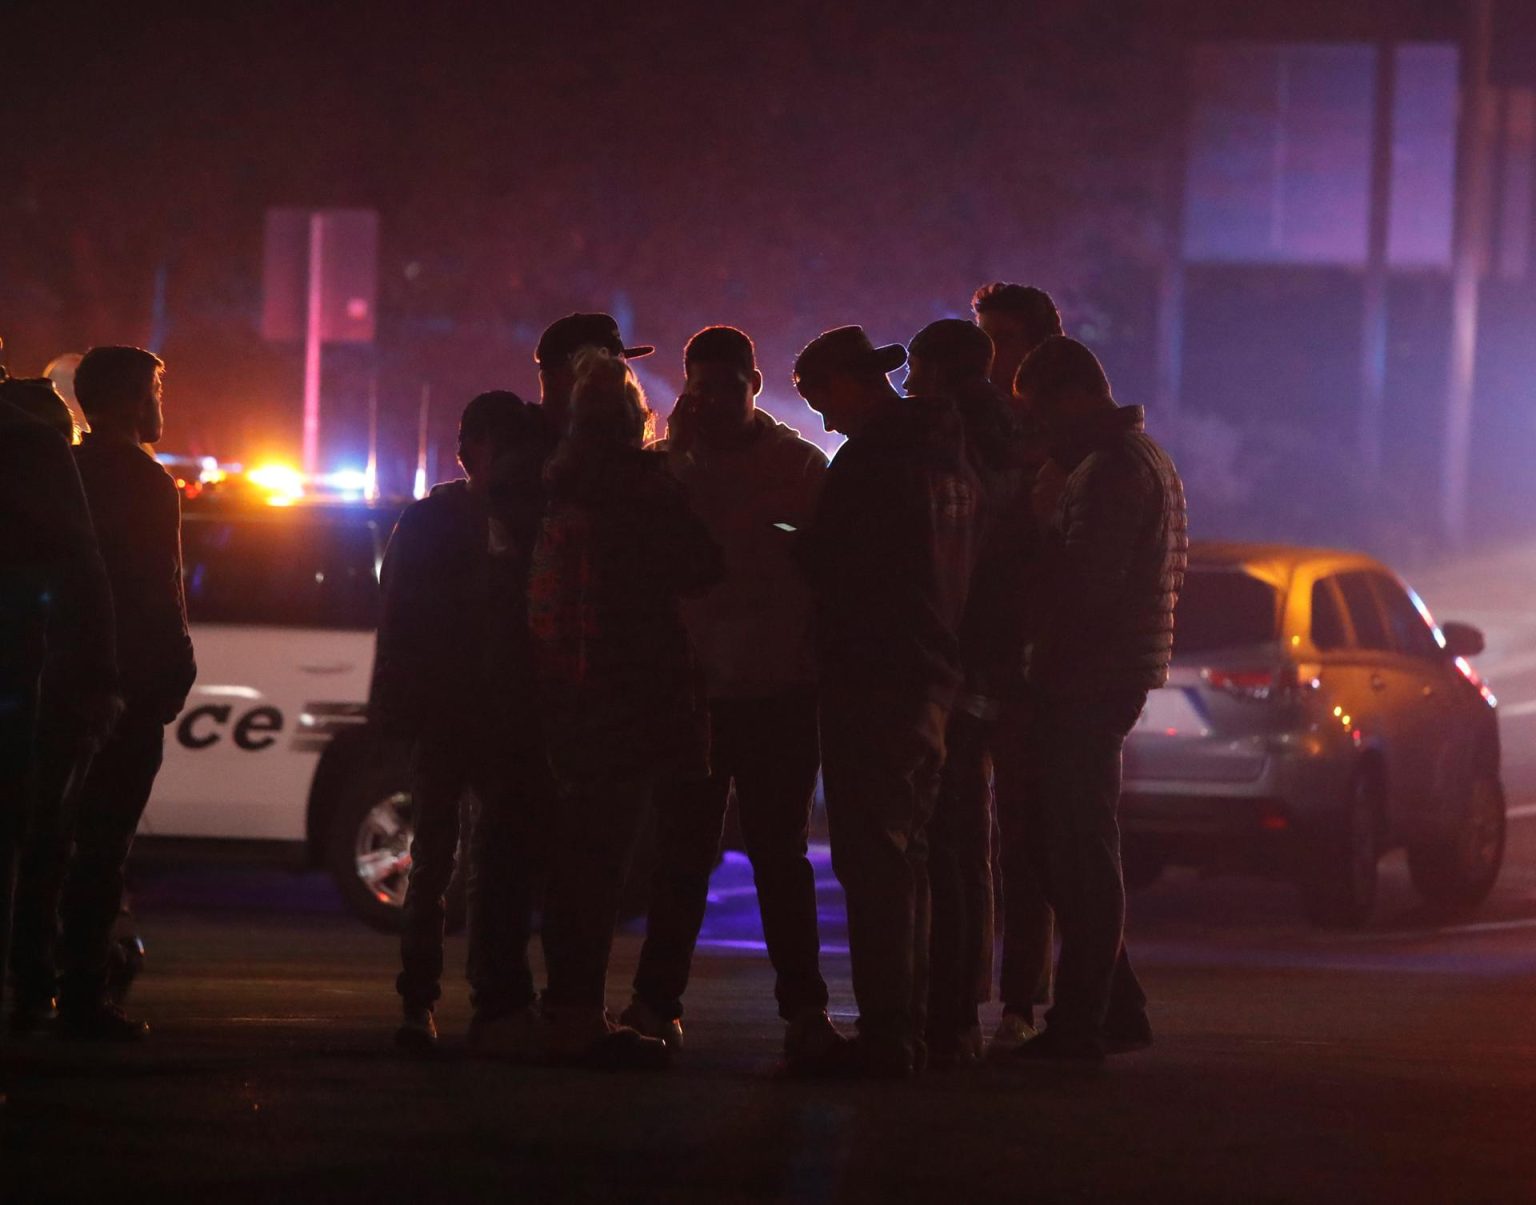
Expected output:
(608, 406)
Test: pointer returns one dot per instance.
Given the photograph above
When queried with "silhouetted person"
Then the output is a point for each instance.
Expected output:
(1016, 318)
(555, 356)
(137, 513)
(56, 636)
(449, 600)
(622, 695)
(754, 482)
(69, 722)
(890, 554)
(951, 358)
(1115, 549)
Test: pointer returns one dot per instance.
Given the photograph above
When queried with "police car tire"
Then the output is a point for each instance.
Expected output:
(374, 775)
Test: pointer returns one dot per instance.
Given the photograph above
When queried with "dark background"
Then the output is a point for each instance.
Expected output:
(783, 167)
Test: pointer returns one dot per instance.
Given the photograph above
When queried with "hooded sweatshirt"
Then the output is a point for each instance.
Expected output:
(752, 632)
(891, 552)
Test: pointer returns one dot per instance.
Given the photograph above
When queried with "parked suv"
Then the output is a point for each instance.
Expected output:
(1315, 717)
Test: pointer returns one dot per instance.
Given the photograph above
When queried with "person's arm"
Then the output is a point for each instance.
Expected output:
(402, 648)
(1102, 516)
(168, 602)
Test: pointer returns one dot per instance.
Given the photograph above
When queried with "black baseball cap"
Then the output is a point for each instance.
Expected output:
(566, 336)
(846, 349)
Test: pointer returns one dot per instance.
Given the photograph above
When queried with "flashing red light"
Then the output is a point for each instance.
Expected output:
(1257, 684)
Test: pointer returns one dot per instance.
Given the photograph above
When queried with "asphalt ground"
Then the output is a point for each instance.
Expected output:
(1398, 1064)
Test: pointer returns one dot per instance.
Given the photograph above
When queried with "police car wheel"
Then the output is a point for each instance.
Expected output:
(368, 849)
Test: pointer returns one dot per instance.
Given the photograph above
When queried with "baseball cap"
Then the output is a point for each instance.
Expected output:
(566, 336)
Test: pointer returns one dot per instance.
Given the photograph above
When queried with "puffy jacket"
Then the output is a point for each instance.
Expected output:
(618, 549)
(891, 552)
(1115, 554)
(136, 510)
(752, 632)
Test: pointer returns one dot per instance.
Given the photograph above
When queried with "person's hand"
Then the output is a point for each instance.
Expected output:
(1045, 498)
(683, 423)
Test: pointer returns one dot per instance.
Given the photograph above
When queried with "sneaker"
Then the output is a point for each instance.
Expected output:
(32, 1017)
(644, 1019)
(1013, 1031)
(518, 1037)
(585, 1037)
(418, 1030)
(810, 1040)
(1123, 1035)
(1057, 1046)
(104, 1023)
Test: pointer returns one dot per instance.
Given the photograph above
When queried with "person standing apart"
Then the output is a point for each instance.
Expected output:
(136, 510)
(1116, 546)
(889, 555)
(754, 482)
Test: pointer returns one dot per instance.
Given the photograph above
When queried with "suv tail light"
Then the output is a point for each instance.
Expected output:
(1260, 685)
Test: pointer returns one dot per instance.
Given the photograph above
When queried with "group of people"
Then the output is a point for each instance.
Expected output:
(968, 604)
(966, 607)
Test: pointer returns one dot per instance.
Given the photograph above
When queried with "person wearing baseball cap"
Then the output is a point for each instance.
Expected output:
(889, 555)
(559, 343)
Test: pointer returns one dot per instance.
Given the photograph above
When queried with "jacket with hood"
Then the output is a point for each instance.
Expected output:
(891, 552)
(618, 549)
(1115, 554)
(136, 510)
(752, 632)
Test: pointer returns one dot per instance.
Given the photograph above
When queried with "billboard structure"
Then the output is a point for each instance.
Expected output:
(320, 284)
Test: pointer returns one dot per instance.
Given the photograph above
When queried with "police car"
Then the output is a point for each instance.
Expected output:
(282, 593)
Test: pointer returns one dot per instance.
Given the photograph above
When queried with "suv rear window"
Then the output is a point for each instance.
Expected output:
(281, 571)
(1224, 609)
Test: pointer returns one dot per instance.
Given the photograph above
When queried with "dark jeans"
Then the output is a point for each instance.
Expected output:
(769, 749)
(1027, 927)
(594, 830)
(1078, 744)
(62, 766)
(510, 788)
(18, 731)
(109, 802)
(960, 878)
(880, 766)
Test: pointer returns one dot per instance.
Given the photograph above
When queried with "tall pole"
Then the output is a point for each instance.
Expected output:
(1374, 314)
(1473, 192)
(371, 473)
(312, 344)
(421, 483)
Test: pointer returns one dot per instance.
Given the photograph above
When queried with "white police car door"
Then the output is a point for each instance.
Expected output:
(283, 605)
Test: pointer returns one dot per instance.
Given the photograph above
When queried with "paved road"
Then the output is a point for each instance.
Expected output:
(1399, 1064)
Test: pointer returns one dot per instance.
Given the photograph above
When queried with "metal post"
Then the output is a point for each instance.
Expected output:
(421, 483)
(312, 344)
(1374, 315)
(1473, 187)
(371, 473)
